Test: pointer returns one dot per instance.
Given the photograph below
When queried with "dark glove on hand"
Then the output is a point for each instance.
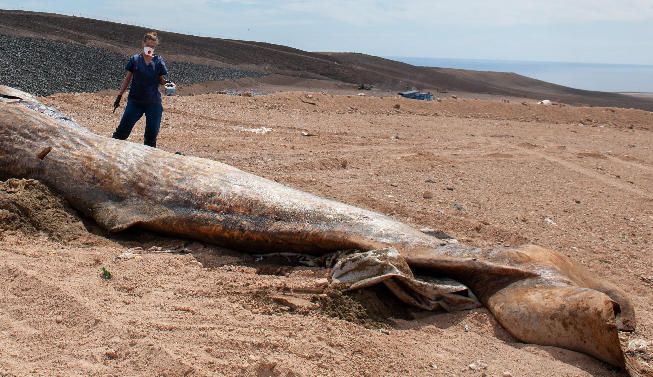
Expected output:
(116, 104)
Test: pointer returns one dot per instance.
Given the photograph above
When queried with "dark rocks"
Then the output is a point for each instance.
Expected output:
(43, 67)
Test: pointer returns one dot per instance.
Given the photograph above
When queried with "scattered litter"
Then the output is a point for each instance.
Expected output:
(478, 365)
(458, 206)
(160, 250)
(137, 252)
(414, 94)
(126, 255)
(637, 346)
(467, 328)
(306, 133)
(361, 94)
(549, 221)
(545, 102)
(258, 131)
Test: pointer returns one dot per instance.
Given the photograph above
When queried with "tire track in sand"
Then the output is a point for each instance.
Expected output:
(587, 172)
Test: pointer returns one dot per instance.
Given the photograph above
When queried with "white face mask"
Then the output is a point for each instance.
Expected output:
(149, 51)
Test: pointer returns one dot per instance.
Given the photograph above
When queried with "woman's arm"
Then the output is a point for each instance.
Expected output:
(125, 82)
(123, 88)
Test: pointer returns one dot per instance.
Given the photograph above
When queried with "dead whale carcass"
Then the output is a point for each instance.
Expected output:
(538, 295)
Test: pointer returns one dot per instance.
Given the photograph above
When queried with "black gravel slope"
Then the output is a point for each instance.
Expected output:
(43, 67)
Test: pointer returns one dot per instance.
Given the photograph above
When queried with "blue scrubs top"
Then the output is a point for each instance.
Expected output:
(144, 87)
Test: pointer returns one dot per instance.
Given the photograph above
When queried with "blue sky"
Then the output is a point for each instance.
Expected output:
(595, 31)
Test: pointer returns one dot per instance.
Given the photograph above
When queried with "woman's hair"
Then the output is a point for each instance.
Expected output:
(151, 36)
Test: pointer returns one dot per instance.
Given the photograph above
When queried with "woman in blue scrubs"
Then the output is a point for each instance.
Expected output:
(146, 72)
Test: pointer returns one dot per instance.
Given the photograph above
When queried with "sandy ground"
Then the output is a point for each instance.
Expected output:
(579, 180)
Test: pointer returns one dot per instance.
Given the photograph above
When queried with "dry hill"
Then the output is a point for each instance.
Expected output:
(269, 58)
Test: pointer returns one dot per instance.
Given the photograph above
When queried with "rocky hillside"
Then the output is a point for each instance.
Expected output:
(46, 53)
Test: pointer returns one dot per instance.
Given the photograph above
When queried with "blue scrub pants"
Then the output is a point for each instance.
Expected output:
(133, 112)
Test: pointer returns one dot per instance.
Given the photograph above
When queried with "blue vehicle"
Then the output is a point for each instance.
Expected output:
(414, 94)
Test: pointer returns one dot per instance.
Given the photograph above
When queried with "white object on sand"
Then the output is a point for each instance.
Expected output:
(258, 131)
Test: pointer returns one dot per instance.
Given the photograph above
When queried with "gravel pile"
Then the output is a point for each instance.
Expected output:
(44, 67)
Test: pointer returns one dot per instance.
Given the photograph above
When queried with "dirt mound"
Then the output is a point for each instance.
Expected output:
(29, 207)
(374, 307)
(94, 68)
